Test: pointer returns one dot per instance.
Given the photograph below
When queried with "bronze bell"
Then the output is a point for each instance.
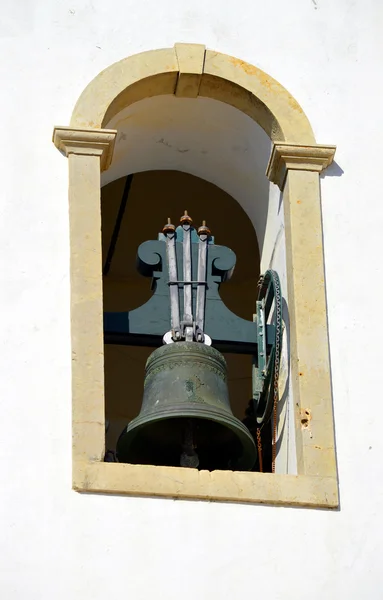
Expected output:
(186, 417)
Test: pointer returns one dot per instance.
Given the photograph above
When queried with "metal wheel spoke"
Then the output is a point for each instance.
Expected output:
(266, 400)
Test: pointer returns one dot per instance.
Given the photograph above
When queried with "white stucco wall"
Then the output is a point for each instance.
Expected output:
(57, 543)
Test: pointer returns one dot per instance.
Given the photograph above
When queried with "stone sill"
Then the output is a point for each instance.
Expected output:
(223, 486)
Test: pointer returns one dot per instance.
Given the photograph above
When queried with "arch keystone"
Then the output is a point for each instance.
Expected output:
(191, 60)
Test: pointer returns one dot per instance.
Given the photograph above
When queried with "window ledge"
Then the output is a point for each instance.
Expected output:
(225, 486)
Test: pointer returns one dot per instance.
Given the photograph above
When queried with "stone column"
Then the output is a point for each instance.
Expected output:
(295, 169)
(89, 152)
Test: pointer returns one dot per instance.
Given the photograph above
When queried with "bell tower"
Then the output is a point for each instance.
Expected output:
(237, 128)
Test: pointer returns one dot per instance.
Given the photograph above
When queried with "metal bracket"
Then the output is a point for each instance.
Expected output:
(211, 266)
(190, 328)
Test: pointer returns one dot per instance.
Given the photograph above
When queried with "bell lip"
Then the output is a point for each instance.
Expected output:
(237, 427)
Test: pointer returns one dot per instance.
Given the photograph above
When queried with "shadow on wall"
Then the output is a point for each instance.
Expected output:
(334, 170)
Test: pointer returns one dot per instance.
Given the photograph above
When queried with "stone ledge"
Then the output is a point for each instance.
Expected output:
(285, 156)
(90, 142)
(224, 486)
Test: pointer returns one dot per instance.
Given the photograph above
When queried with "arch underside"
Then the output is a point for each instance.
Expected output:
(203, 137)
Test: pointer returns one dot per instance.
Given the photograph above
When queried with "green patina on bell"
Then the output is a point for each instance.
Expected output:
(186, 417)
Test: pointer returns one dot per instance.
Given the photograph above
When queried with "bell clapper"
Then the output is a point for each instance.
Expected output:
(189, 457)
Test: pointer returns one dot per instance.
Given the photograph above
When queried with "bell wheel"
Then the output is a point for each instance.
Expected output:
(269, 319)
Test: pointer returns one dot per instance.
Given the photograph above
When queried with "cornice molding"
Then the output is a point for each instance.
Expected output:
(285, 156)
(90, 142)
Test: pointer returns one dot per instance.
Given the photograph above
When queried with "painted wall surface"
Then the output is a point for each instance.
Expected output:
(57, 543)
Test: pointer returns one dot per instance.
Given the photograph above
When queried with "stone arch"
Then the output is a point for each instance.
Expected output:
(189, 70)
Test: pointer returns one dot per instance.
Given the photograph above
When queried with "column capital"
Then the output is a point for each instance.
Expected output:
(90, 142)
(300, 157)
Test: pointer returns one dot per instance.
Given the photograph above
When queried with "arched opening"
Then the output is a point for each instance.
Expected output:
(196, 154)
(190, 71)
(152, 196)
